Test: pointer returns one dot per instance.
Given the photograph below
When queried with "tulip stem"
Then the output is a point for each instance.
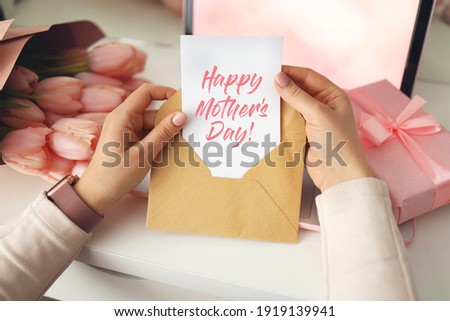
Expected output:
(61, 71)
(16, 94)
(48, 70)
(69, 69)
(8, 104)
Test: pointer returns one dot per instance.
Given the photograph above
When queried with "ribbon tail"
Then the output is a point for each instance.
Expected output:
(413, 106)
(435, 170)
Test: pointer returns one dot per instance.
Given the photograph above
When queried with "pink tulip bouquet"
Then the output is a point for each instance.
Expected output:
(52, 108)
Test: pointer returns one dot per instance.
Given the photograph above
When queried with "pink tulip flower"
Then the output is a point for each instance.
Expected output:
(51, 118)
(74, 138)
(117, 60)
(102, 99)
(99, 118)
(132, 84)
(25, 150)
(22, 79)
(20, 118)
(80, 167)
(91, 79)
(141, 58)
(59, 95)
(57, 168)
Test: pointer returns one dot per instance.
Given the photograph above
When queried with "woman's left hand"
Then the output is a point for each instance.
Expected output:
(122, 157)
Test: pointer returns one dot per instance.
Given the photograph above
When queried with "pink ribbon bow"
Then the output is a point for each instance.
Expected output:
(377, 127)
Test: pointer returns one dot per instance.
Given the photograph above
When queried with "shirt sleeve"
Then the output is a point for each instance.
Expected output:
(35, 248)
(364, 256)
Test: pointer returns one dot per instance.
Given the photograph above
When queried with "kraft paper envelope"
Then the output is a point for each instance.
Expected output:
(263, 205)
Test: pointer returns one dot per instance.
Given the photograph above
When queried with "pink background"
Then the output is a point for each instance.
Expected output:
(352, 42)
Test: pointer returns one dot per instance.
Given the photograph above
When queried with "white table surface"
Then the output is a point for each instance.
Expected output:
(168, 266)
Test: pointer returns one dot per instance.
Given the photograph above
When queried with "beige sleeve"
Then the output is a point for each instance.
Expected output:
(364, 256)
(35, 248)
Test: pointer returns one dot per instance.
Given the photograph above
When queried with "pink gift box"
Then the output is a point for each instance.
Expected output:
(405, 147)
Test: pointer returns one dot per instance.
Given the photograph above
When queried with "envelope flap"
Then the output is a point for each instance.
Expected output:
(217, 206)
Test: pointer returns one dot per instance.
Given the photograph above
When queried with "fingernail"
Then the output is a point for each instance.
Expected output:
(179, 119)
(282, 80)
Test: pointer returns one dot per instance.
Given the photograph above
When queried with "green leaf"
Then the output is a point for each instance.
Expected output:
(46, 65)
(8, 104)
(16, 94)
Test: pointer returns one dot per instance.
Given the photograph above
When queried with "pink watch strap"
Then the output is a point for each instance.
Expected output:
(69, 202)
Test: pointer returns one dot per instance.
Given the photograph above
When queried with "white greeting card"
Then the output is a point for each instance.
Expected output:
(229, 96)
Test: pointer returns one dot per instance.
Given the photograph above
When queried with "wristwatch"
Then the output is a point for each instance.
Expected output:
(70, 203)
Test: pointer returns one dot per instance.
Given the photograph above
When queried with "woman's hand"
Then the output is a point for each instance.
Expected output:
(122, 157)
(326, 109)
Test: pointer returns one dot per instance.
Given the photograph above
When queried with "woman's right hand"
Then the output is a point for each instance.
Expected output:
(329, 126)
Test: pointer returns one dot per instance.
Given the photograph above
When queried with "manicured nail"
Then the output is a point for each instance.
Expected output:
(179, 119)
(282, 79)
